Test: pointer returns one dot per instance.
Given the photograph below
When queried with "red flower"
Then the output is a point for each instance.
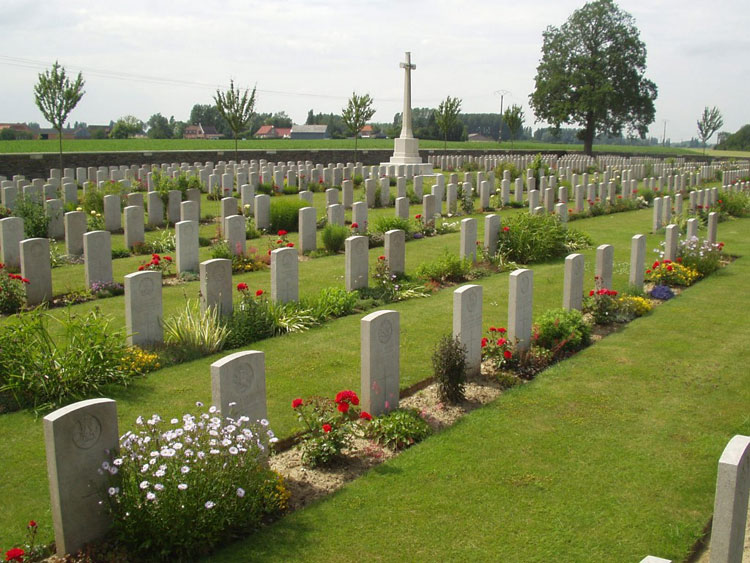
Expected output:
(667, 262)
(296, 403)
(648, 271)
(493, 329)
(25, 280)
(347, 396)
(242, 286)
(141, 268)
(501, 341)
(355, 226)
(259, 293)
(364, 415)
(155, 256)
(282, 233)
(290, 245)
(279, 241)
(269, 252)
(15, 554)
(326, 428)
(506, 229)
(32, 524)
(484, 342)
(343, 406)
(655, 265)
(168, 258)
(502, 330)
(669, 268)
(591, 293)
(418, 216)
(381, 257)
(507, 354)
(679, 260)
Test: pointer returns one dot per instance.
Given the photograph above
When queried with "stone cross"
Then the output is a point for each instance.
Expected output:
(406, 132)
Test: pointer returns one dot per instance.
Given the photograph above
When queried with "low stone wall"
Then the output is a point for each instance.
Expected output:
(38, 165)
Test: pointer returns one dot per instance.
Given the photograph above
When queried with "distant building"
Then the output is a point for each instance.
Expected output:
(201, 132)
(271, 132)
(49, 134)
(367, 132)
(96, 132)
(19, 130)
(309, 132)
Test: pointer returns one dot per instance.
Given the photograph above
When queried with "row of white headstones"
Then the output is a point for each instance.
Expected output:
(78, 436)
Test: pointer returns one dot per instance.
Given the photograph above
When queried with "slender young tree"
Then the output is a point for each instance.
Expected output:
(56, 96)
(356, 114)
(237, 108)
(446, 117)
(513, 118)
(709, 123)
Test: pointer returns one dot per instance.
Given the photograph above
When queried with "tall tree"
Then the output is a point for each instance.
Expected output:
(709, 123)
(237, 108)
(207, 114)
(592, 74)
(126, 126)
(159, 127)
(56, 96)
(513, 118)
(356, 114)
(446, 117)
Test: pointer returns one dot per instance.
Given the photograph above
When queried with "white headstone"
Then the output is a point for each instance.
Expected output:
(143, 308)
(467, 324)
(284, 275)
(238, 385)
(379, 376)
(36, 267)
(97, 256)
(356, 276)
(216, 285)
(520, 303)
(573, 282)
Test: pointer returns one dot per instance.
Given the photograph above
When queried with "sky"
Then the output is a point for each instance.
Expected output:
(163, 56)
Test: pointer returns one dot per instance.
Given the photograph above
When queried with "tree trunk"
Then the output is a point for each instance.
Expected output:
(445, 142)
(236, 158)
(355, 148)
(588, 135)
(59, 138)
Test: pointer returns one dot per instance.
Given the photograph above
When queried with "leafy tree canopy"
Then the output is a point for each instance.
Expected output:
(592, 74)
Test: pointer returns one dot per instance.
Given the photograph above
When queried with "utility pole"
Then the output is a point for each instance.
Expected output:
(664, 135)
(501, 93)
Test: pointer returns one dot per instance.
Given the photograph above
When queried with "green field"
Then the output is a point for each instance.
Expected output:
(141, 145)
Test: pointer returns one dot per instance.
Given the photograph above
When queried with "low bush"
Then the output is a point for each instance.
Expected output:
(530, 238)
(192, 334)
(661, 292)
(736, 204)
(285, 213)
(35, 219)
(449, 369)
(563, 331)
(700, 255)
(666, 272)
(12, 293)
(334, 237)
(251, 319)
(603, 306)
(176, 491)
(43, 372)
(329, 426)
(399, 429)
(384, 224)
(332, 302)
(449, 268)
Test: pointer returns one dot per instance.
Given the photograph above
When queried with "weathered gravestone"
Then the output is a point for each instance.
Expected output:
(187, 247)
(637, 259)
(75, 227)
(284, 275)
(468, 249)
(238, 385)
(520, 302)
(605, 259)
(356, 262)
(573, 282)
(143, 308)
(467, 324)
(11, 234)
(216, 285)
(395, 250)
(36, 267)
(78, 438)
(379, 355)
(97, 257)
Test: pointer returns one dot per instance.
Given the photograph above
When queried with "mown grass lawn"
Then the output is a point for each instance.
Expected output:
(321, 361)
(139, 145)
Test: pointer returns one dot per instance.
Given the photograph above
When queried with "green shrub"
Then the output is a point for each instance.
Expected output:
(251, 321)
(447, 268)
(563, 331)
(264, 189)
(191, 500)
(334, 237)
(530, 238)
(192, 334)
(449, 368)
(700, 255)
(358, 180)
(736, 204)
(384, 224)
(46, 373)
(35, 219)
(332, 302)
(12, 293)
(221, 250)
(285, 213)
(399, 429)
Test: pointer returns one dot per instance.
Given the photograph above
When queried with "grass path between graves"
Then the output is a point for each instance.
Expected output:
(608, 456)
(325, 359)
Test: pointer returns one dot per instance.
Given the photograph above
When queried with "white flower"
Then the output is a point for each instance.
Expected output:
(113, 491)
(177, 446)
(118, 461)
(198, 404)
(144, 468)
(214, 452)
(212, 410)
(174, 421)
(184, 469)
(233, 450)
(182, 486)
(113, 470)
(167, 452)
(159, 487)
(263, 422)
(226, 442)
(154, 454)
(209, 504)
(160, 473)
(144, 485)
(150, 496)
(232, 404)
(240, 492)
(201, 455)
